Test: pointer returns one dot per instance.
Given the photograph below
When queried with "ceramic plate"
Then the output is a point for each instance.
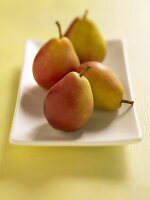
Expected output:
(29, 126)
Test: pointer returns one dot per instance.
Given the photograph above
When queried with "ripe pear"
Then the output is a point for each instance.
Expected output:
(87, 40)
(107, 89)
(54, 60)
(69, 103)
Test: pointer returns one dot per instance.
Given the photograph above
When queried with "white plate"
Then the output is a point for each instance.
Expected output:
(29, 126)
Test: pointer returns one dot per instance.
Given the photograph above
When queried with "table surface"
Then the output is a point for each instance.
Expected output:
(121, 172)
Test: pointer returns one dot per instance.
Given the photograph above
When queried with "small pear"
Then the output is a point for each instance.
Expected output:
(69, 103)
(87, 40)
(54, 60)
(107, 89)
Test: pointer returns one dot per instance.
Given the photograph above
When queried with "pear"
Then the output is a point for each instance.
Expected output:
(87, 40)
(107, 89)
(54, 60)
(69, 103)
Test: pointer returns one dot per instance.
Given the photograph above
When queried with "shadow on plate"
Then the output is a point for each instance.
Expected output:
(32, 101)
(124, 109)
(45, 132)
(98, 121)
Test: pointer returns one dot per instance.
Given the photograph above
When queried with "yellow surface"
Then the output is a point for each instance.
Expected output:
(74, 173)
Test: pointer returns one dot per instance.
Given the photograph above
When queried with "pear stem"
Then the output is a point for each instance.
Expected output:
(127, 101)
(59, 29)
(85, 70)
(85, 14)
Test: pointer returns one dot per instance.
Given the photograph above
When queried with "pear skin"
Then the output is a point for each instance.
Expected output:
(107, 89)
(54, 60)
(69, 103)
(87, 40)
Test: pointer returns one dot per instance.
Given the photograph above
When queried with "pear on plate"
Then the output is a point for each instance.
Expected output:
(54, 60)
(107, 89)
(69, 103)
(87, 39)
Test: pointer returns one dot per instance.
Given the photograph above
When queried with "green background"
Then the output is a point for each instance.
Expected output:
(55, 173)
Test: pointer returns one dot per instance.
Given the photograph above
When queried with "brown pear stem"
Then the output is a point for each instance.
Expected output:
(85, 14)
(59, 29)
(85, 70)
(127, 101)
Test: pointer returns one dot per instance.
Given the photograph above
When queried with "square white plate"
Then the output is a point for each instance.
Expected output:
(30, 127)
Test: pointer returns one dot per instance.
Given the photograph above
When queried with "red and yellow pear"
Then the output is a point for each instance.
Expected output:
(54, 60)
(69, 103)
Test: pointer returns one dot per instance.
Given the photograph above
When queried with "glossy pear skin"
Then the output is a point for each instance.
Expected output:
(69, 103)
(106, 87)
(53, 61)
(87, 40)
